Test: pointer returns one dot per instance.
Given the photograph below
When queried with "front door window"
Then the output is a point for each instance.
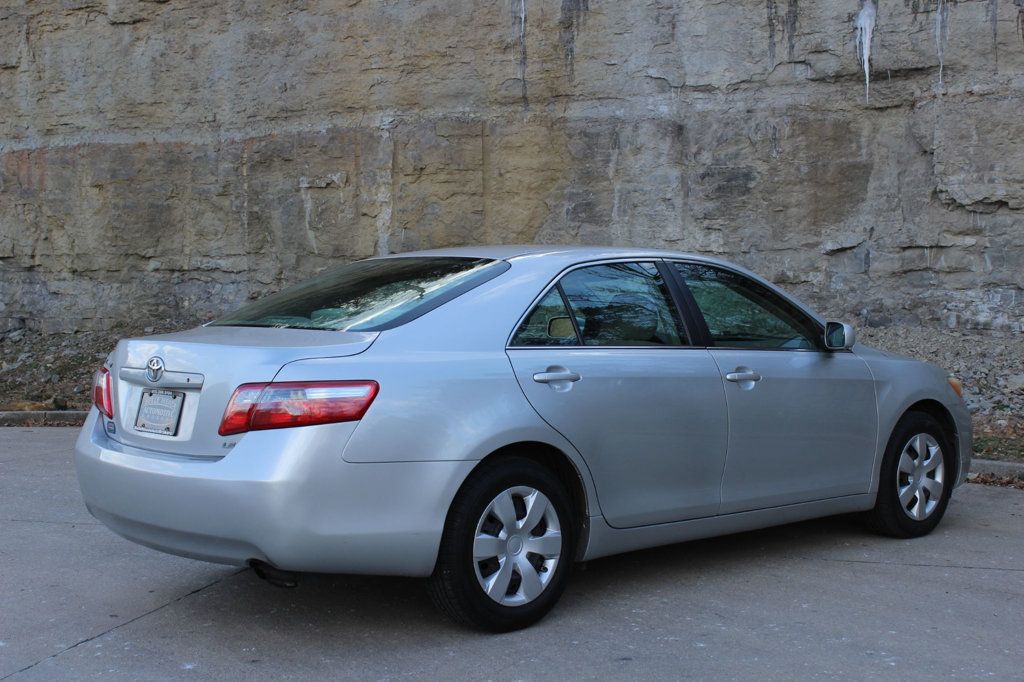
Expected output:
(742, 313)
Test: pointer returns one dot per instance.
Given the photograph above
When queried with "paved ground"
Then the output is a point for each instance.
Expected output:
(818, 599)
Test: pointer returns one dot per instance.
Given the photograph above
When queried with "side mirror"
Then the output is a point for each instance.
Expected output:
(561, 328)
(839, 336)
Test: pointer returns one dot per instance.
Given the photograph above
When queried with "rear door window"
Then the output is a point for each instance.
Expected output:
(549, 324)
(613, 304)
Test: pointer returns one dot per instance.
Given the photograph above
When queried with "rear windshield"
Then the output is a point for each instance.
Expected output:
(369, 295)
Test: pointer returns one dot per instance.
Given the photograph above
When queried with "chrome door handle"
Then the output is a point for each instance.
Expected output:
(745, 375)
(552, 376)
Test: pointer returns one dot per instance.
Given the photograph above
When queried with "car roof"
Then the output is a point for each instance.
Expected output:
(512, 252)
(559, 256)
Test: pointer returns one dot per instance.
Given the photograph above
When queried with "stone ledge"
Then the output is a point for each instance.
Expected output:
(998, 468)
(43, 418)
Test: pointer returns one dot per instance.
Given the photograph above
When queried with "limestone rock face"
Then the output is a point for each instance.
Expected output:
(172, 159)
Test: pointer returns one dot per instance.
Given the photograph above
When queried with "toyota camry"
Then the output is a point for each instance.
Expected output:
(487, 417)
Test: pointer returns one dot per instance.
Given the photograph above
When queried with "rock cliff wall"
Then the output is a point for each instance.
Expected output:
(171, 158)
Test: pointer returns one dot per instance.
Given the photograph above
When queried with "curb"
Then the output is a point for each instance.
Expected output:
(996, 468)
(44, 418)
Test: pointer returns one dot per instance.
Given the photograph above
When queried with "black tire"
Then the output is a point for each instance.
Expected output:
(889, 517)
(454, 586)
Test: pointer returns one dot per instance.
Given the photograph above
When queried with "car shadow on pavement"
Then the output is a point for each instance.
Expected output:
(377, 604)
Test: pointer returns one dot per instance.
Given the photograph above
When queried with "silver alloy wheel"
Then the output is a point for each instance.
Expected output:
(517, 546)
(921, 476)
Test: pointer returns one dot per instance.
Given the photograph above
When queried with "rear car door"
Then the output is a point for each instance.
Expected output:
(802, 419)
(605, 359)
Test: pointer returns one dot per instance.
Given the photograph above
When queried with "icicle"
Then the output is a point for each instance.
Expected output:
(993, 20)
(522, 38)
(941, 33)
(865, 24)
(519, 16)
(773, 16)
(1020, 18)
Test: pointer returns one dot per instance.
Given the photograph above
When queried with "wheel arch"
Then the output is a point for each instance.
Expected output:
(562, 465)
(937, 411)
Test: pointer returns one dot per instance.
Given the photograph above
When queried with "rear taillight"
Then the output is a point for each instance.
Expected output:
(255, 407)
(102, 395)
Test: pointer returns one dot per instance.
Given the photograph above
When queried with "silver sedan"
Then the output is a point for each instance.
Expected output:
(487, 417)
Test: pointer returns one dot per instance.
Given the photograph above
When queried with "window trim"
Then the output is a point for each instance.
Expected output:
(569, 311)
(693, 320)
(691, 301)
(657, 261)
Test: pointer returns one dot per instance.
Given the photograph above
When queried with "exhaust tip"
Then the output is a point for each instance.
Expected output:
(273, 575)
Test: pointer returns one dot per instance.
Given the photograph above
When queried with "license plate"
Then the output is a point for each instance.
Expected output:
(159, 411)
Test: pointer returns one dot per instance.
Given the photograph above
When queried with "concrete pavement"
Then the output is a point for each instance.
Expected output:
(817, 599)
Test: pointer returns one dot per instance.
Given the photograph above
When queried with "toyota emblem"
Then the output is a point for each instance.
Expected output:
(154, 369)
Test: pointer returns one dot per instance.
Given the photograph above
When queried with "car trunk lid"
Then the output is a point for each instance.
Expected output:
(201, 368)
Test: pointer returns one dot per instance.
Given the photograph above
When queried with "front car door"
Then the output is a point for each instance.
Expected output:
(802, 419)
(605, 359)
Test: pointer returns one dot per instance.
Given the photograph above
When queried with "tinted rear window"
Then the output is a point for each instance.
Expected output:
(368, 295)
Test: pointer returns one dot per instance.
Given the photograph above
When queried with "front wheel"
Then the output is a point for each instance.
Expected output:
(917, 478)
(507, 547)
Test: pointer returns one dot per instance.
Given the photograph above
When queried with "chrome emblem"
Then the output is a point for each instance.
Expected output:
(154, 369)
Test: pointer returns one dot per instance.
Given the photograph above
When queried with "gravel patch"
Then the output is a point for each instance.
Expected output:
(54, 371)
(990, 364)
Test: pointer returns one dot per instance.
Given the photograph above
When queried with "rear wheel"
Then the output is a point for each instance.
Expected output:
(507, 547)
(917, 477)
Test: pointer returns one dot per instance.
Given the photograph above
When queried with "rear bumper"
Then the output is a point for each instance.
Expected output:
(285, 497)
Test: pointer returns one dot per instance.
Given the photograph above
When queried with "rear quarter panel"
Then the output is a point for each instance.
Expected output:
(447, 388)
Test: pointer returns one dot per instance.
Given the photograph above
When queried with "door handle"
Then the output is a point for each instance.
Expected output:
(742, 374)
(555, 374)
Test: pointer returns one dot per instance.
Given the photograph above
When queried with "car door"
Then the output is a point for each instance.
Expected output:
(802, 419)
(605, 359)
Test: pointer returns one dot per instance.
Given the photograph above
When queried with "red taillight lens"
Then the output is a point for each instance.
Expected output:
(102, 392)
(254, 407)
(240, 408)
